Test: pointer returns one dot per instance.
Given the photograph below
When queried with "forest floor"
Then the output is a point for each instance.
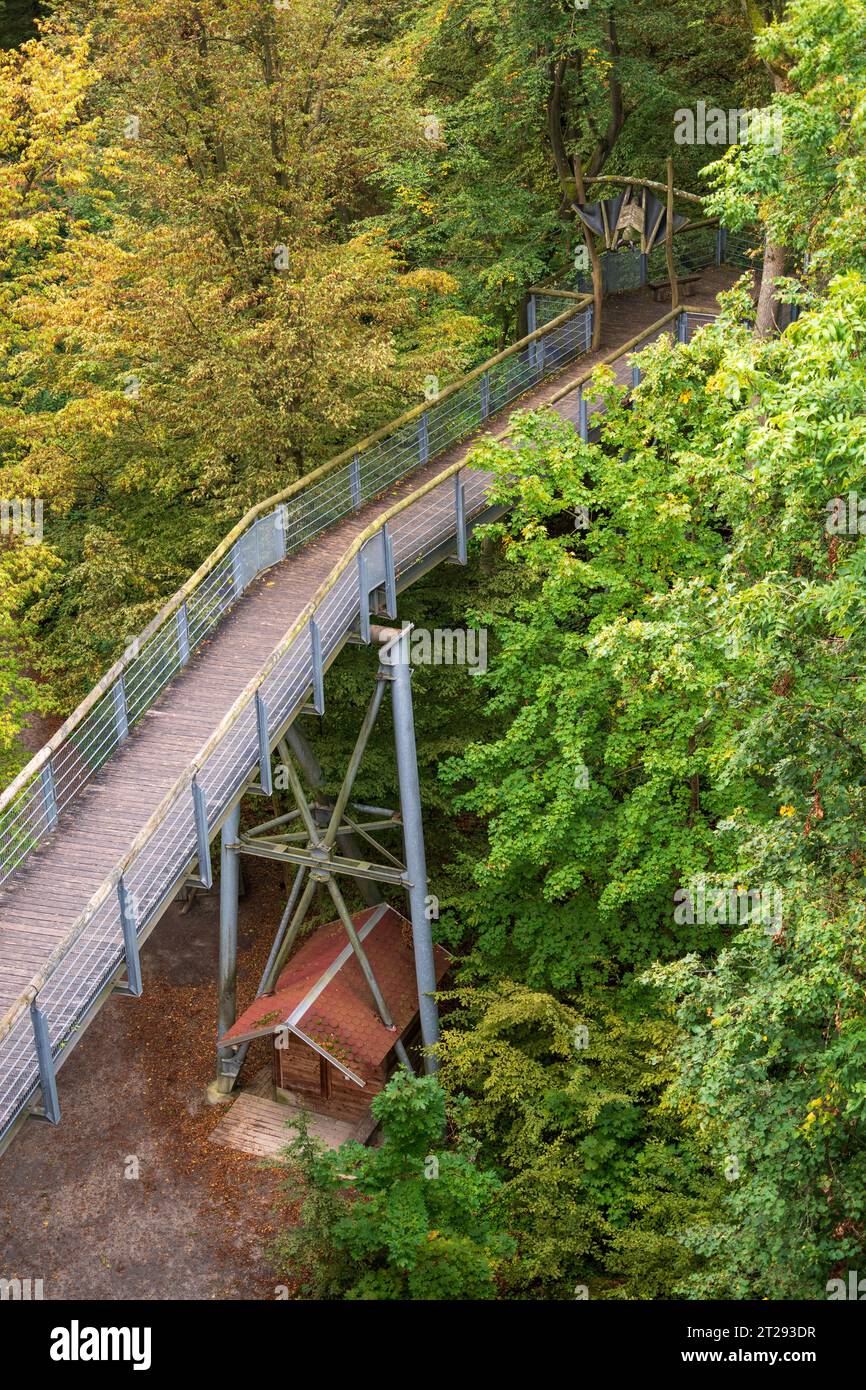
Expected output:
(196, 1220)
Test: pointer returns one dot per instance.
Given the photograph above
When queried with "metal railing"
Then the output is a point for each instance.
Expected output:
(48, 1012)
(707, 243)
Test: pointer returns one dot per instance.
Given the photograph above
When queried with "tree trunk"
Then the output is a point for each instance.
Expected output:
(767, 316)
(594, 258)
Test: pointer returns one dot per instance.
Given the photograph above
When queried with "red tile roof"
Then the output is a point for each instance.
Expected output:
(324, 999)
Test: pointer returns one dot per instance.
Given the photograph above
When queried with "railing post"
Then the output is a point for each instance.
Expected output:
(129, 926)
(460, 513)
(390, 574)
(683, 326)
(237, 566)
(49, 796)
(355, 481)
(183, 633)
(47, 1078)
(228, 1064)
(644, 268)
(363, 597)
(318, 669)
(531, 325)
(539, 346)
(485, 395)
(582, 417)
(635, 375)
(266, 780)
(199, 805)
(121, 715)
(721, 244)
(423, 437)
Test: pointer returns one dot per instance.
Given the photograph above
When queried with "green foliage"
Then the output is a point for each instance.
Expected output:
(696, 652)
(519, 89)
(772, 1055)
(809, 194)
(421, 1220)
(564, 1095)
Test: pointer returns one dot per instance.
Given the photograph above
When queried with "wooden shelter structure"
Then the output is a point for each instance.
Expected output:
(331, 1050)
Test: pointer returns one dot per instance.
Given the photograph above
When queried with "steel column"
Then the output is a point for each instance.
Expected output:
(413, 836)
(183, 634)
(228, 943)
(423, 437)
(318, 669)
(49, 797)
(364, 600)
(460, 509)
(121, 719)
(235, 556)
(355, 482)
(390, 573)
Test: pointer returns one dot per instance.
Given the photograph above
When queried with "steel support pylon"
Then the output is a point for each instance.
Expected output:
(313, 839)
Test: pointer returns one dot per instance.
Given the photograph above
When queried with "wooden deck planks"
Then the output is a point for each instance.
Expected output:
(255, 1125)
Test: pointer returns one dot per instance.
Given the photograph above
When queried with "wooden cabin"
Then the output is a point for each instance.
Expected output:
(331, 1051)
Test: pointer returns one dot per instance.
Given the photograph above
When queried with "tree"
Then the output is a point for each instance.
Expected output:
(412, 1219)
(601, 1184)
(802, 183)
(514, 92)
(680, 770)
(192, 316)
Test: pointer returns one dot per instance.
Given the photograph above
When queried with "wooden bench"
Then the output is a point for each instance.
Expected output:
(686, 283)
